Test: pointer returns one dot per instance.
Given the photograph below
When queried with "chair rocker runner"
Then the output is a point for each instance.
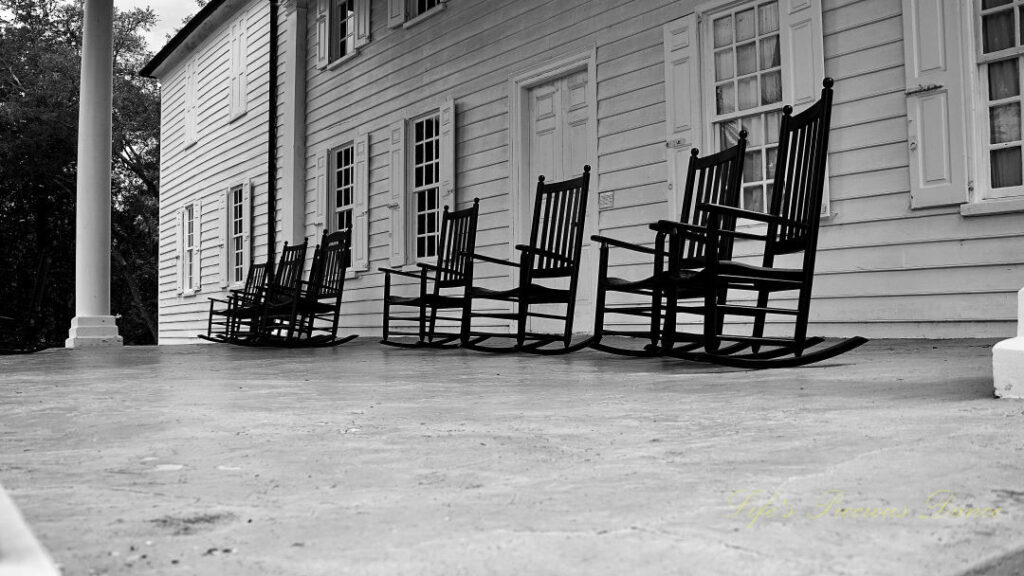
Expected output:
(308, 316)
(553, 255)
(715, 178)
(792, 229)
(226, 323)
(450, 277)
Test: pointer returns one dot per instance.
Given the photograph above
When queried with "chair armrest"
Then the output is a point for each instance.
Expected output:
(545, 253)
(673, 227)
(416, 275)
(435, 267)
(747, 214)
(622, 244)
(492, 260)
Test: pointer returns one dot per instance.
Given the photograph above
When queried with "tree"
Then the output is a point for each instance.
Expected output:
(40, 55)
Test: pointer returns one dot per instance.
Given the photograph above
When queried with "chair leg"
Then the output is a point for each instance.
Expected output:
(668, 333)
(523, 308)
(387, 308)
(467, 320)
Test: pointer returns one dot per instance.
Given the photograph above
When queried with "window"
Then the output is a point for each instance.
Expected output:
(343, 26)
(237, 238)
(342, 197)
(734, 66)
(189, 245)
(1001, 56)
(239, 77)
(747, 92)
(343, 194)
(417, 7)
(408, 12)
(426, 176)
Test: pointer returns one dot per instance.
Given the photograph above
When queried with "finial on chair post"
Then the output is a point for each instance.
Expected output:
(744, 134)
(828, 82)
(694, 152)
(586, 168)
(540, 179)
(787, 110)
(476, 201)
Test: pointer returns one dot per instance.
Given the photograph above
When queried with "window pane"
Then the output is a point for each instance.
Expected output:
(752, 166)
(752, 124)
(746, 59)
(771, 126)
(753, 198)
(773, 154)
(997, 31)
(770, 55)
(1003, 79)
(1006, 168)
(745, 25)
(1004, 123)
(748, 93)
(768, 18)
(771, 87)
(723, 65)
(723, 32)
(729, 133)
(725, 98)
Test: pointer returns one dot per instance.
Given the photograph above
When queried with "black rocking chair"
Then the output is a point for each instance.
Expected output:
(556, 241)
(792, 228)
(224, 323)
(453, 271)
(309, 316)
(250, 318)
(715, 178)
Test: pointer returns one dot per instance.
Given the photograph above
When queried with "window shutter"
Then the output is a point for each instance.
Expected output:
(322, 208)
(179, 251)
(936, 114)
(397, 162)
(804, 67)
(323, 34)
(361, 211)
(396, 13)
(225, 238)
(197, 238)
(448, 153)
(248, 193)
(235, 88)
(683, 96)
(362, 22)
(191, 122)
(242, 79)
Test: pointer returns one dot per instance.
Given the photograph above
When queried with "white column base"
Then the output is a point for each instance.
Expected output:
(1008, 368)
(93, 332)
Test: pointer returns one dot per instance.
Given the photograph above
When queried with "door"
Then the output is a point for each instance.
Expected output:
(560, 144)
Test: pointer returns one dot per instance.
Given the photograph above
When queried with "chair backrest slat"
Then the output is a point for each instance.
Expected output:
(713, 179)
(330, 263)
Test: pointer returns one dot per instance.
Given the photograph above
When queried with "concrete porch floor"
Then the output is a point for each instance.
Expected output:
(370, 460)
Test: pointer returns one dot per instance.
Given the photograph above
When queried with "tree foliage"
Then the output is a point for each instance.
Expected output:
(40, 56)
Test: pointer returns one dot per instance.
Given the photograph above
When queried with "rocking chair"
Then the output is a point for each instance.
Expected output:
(453, 270)
(249, 317)
(715, 178)
(224, 323)
(792, 228)
(556, 241)
(309, 315)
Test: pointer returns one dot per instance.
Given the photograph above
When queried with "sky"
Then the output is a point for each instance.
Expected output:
(169, 14)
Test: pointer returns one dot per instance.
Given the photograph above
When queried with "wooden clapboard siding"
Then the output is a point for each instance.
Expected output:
(225, 154)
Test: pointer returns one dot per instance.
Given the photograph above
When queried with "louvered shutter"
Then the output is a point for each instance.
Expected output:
(397, 183)
(323, 33)
(396, 13)
(179, 250)
(225, 209)
(362, 22)
(361, 209)
(448, 154)
(936, 114)
(682, 96)
(322, 196)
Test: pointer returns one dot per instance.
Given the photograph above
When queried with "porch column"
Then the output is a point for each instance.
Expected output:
(292, 208)
(93, 325)
(1008, 359)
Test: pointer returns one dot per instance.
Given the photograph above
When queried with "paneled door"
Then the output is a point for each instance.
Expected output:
(559, 143)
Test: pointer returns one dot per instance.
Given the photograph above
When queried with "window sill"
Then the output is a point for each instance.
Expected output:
(424, 16)
(236, 115)
(337, 62)
(986, 207)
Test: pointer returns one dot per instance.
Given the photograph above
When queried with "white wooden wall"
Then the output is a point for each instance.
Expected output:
(226, 153)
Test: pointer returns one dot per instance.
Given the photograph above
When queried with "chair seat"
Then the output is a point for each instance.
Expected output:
(435, 300)
(537, 294)
(766, 278)
(651, 282)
